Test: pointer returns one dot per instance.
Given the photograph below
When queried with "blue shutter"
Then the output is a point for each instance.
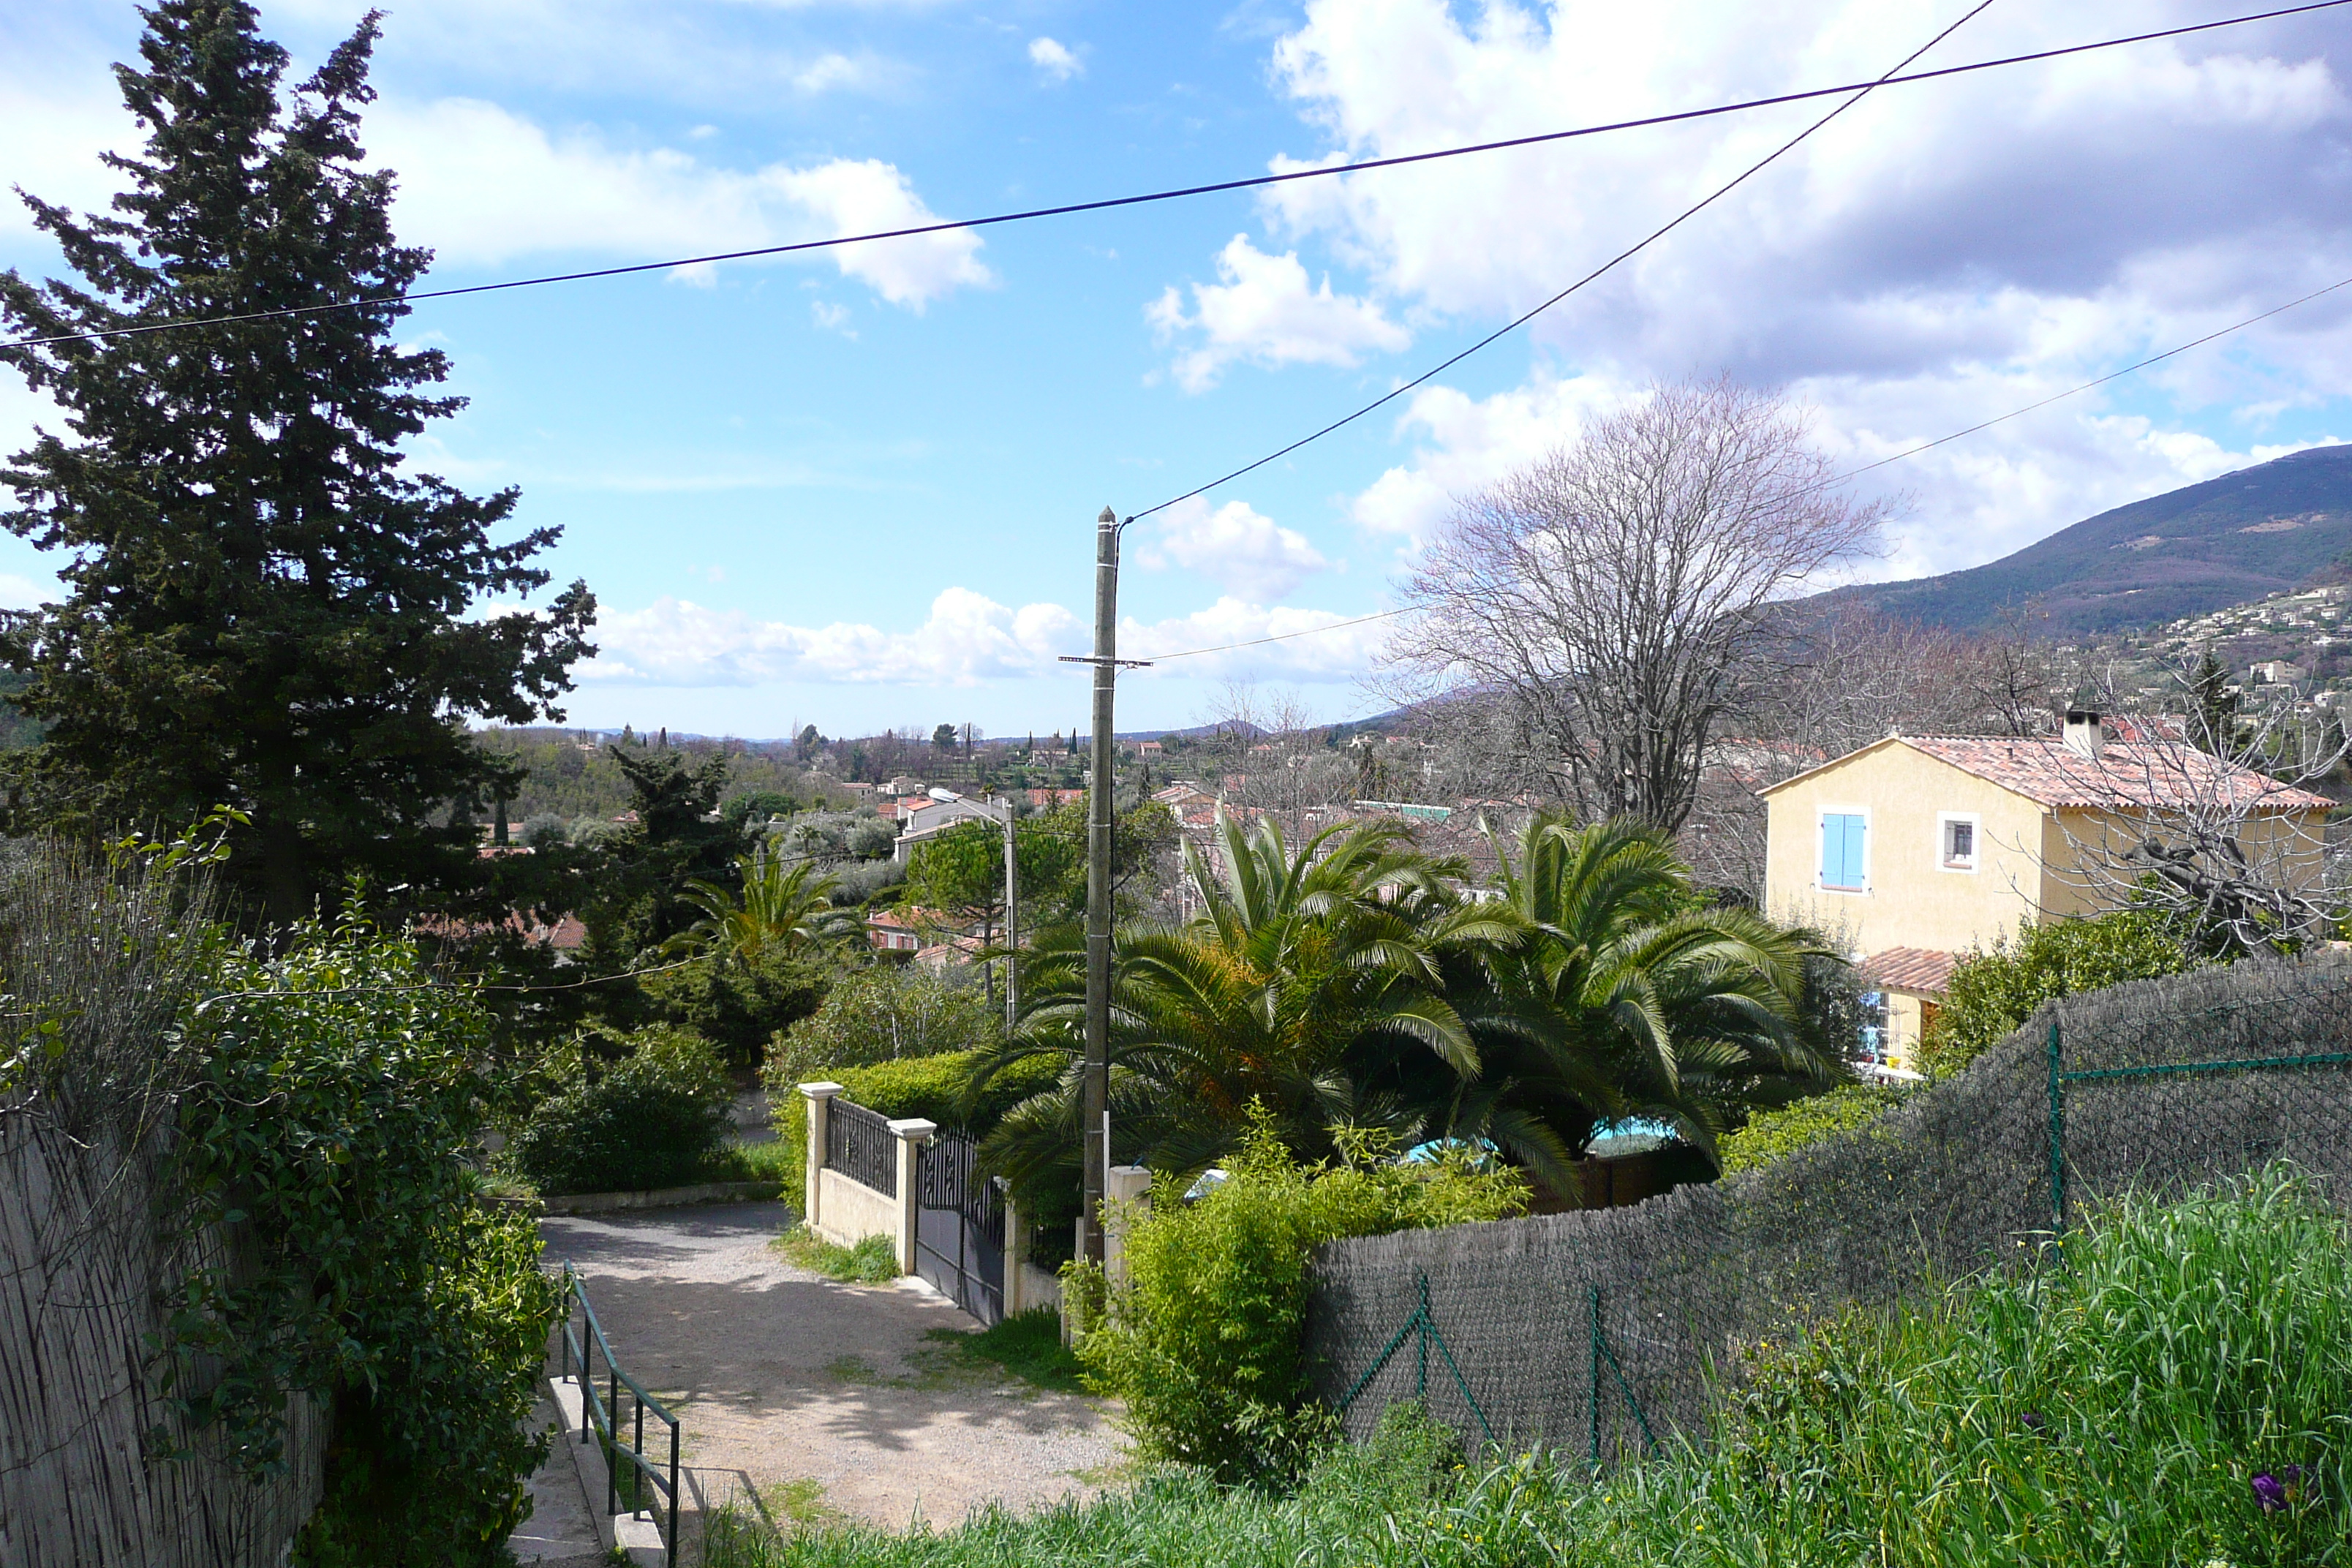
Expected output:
(1842, 850)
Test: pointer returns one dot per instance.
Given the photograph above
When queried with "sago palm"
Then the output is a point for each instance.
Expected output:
(1624, 997)
(1306, 970)
(785, 908)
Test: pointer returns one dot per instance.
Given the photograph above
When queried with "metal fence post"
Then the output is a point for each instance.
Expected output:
(613, 1443)
(2057, 1135)
(669, 1540)
(1594, 1405)
(1421, 1343)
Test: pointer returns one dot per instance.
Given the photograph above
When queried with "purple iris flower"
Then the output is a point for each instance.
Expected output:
(2270, 1492)
(2033, 1420)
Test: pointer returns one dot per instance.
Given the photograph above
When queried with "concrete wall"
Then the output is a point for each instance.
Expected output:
(1910, 898)
(850, 1212)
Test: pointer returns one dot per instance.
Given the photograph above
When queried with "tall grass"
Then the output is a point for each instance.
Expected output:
(2117, 1405)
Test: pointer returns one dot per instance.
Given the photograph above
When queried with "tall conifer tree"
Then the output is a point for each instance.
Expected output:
(262, 606)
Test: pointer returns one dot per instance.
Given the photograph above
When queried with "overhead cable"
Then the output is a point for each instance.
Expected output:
(1866, 468)
(1595, 275)
(1255, 182)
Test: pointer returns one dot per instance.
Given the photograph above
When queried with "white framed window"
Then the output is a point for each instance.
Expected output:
(1960, 840)
(1844, 866)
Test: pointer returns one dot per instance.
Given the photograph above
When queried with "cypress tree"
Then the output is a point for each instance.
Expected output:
(261, 609)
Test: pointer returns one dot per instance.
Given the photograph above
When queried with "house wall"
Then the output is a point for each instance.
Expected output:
(1911, 901)
(1907, 1015)
(2289, 845)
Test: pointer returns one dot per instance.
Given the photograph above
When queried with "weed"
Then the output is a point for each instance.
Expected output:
(1028, 1345)
(872, 1261)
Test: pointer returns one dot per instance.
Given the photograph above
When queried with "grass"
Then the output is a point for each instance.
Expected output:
(1028, 1345)
(771, 1162)
(2115, 1405)
(873, 1261)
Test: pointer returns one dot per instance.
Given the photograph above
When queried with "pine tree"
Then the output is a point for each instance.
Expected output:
(261, 609)
(2214, 707)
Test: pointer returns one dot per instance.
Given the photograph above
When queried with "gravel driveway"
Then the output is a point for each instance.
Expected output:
(816, 1396)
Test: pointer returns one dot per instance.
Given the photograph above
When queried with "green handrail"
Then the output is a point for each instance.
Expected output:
(598, 1413)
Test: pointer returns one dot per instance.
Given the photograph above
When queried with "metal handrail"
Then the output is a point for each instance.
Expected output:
(598, 1413)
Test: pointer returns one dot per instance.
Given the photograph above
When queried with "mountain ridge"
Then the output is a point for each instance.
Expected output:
(2230, 540)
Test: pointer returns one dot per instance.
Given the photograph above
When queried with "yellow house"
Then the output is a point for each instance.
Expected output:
(1919, 848)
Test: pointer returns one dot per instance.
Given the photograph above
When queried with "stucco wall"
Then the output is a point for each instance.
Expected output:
(849, 1212)
(1911, 901)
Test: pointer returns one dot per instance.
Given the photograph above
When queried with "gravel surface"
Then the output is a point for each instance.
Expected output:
(816, 1396)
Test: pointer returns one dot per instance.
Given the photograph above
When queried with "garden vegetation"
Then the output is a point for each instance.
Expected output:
(2170, 1391)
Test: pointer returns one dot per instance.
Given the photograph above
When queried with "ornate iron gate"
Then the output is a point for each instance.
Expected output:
(960, 1227)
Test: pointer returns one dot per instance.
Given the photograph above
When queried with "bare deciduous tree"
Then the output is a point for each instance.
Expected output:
(2214, 820)
(1610, 600)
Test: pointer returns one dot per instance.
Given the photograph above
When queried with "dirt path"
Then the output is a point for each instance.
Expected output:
(814, 1395)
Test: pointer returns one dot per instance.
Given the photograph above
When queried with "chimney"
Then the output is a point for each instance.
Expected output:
(2084, 734)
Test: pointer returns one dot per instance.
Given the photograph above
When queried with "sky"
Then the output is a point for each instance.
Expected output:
(857, 487)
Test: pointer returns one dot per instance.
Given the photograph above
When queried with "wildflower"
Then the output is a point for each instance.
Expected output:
(2031, 1420)
(2270, 1492)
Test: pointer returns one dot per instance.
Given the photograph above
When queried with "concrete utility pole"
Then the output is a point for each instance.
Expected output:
(1094, 1095)
(1095, 1098)
(1011, 917)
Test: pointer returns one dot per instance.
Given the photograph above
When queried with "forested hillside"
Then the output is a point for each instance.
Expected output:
(2229, 541)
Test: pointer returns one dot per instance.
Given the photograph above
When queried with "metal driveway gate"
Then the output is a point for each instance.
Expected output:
(959, 1226)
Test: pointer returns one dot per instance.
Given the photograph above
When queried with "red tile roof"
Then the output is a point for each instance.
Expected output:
(2126, 773)
(1920, 969)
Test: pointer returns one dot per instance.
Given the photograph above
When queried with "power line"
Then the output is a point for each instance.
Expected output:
(2098, 381)
(1255, 182)
(1866, 468)
(1278, 637)
(1601, 272)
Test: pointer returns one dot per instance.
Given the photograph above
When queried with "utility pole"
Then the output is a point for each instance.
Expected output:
(1011, 917)
(1094, 1094)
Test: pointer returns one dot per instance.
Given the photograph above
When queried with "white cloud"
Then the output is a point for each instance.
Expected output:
(1054, 60)
(1237, 547)
(1266, 312)
(829, 71)
(1347, 653)
(1940, 255)
(484, 186)
(831, 317)
(966, 639)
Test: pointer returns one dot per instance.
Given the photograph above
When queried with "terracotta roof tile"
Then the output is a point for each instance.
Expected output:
(2125, 773)
(2134, 772)
(1926, 970)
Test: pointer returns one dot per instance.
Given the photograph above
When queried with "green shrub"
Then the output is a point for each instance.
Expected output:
(935, 1089)
(335, 1093)
(653, 1118)
(1204, 1343)
(884, 1011)
(1772, 1135)
(737, 1005)
(1992, 995)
